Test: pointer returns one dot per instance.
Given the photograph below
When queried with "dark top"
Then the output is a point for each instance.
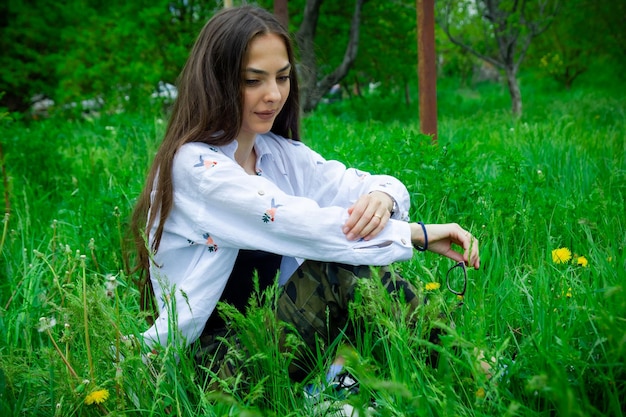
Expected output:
(240, 285)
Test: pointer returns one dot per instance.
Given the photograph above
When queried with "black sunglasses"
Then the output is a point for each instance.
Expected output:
(456, 279)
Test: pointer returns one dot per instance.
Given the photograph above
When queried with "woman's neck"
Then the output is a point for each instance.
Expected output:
(245, 155)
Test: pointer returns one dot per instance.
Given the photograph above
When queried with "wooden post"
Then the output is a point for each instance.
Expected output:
(281, 12)
(426, 67)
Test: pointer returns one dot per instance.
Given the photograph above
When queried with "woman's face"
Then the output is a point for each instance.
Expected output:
(266, 84)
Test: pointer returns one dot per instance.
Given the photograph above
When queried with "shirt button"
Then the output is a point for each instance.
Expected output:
(261, 192)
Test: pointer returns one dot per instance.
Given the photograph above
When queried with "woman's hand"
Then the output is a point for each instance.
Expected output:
(368, 216)
(441, 237)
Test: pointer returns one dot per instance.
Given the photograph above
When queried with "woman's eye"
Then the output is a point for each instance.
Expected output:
(252, 82)
(283, 78)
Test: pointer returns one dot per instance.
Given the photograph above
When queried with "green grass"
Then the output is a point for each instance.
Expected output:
(555, 178)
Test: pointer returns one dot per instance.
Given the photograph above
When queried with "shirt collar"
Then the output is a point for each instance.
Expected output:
(260, 145)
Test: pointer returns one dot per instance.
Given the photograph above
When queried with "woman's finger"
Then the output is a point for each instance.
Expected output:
(367, 218)
(376, 225)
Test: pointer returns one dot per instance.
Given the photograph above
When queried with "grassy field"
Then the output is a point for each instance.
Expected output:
(544, 194)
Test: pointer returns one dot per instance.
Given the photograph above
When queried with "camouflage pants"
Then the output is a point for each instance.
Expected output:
(314, 301)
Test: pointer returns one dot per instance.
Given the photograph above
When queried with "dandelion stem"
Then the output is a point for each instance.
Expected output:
(92, 249)
(5, 181)
(118, 381)
(4, 230)
(17, 287)
(86, 320)
(54, 274)
(67, 350)
(54, 237)
(63, 358)
(117, 214)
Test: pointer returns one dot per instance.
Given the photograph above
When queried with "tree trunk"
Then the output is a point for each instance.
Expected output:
(407, 93)
(305, 38)
(312, 91)
(514, 91)
(357, 87)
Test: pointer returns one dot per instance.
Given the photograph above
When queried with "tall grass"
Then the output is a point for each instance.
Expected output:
(553, 333)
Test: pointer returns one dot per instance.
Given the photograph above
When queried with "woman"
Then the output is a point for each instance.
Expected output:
(232, 189)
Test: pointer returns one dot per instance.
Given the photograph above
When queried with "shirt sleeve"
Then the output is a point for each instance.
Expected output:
(245, 211)
(187, 287)
(331, 183)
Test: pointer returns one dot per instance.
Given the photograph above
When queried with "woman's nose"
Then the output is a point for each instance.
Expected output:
(273, 92)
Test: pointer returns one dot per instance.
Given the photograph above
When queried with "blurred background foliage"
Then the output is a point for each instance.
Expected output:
(115, 54)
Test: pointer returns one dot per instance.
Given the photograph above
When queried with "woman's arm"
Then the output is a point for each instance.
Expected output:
(439, 238)
(215, 198)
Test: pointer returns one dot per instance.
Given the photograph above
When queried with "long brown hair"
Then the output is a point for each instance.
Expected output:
(208, 109)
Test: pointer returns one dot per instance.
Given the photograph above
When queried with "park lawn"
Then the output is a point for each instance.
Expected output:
(544, 194)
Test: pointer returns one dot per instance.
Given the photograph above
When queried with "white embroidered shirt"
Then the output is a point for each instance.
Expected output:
(295, 206)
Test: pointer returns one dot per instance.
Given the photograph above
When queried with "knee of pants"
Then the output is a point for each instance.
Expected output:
(315, 299)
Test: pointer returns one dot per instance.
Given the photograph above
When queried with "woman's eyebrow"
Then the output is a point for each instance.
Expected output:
(262, 72)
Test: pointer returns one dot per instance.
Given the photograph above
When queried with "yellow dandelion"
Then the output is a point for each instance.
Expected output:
(431, 286)
(97, 397)
(582, 261)
(568, 294)
(561, 255)
(480, 392)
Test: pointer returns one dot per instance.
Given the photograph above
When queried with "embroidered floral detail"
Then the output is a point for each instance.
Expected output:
(206, 164)
(165, 300)
(214, 149)
(191, 242)
(362, 175)
(211, 245)
(385, 184)
(270, 213)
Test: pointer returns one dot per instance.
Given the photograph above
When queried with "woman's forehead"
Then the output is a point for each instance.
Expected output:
(267, 52)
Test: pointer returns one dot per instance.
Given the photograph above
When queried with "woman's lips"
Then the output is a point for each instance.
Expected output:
(266, 115)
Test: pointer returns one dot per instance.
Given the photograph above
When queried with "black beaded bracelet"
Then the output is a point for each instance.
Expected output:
(425, 247)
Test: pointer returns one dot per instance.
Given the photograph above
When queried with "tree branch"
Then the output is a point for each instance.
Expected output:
(444, 24)
(350, 54)
(312, 90)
